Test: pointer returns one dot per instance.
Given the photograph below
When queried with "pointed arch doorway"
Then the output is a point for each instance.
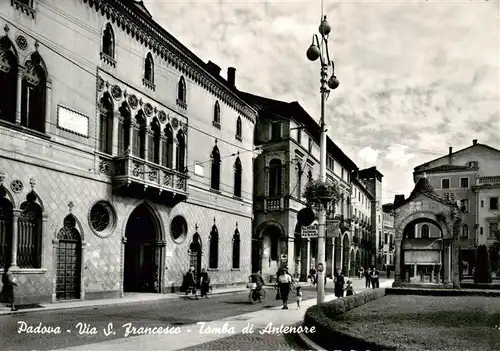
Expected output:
(69, 260)
(143, 252)
(195, 252)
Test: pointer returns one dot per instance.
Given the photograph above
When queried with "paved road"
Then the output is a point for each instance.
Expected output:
(172, 312)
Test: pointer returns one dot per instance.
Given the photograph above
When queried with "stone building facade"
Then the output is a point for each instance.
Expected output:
(388, 234)
(124, 159)
(362, 201)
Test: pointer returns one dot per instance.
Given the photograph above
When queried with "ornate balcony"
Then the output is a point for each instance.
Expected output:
(489, 180)
(135, 176)
(274, 204)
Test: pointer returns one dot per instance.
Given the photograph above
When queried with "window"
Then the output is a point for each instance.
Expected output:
(149, 71)
(239, 131)
(464, 182)
(310, 145)
(424, 231)
(8, 81)
(299, 180)
(464, 205)
(481, 231)
(216, 117)
(154, 138)
(299, 136)
(181, 153)
(213, 259)
(275, 130)
(482, 203)
(6, 217)
(342, 174)
(29, 245)
(237, 177)
(445, 183)
(493, 203)
(181, 93)
(139, 136)
(309, 176)
(465, 231)
(275, 177)
(168, 147)
(215, 176)
(108, 42)
(106, 124)
(33, 94)
(236, 250)
(493, 231)
(386, 237)
(124, 125)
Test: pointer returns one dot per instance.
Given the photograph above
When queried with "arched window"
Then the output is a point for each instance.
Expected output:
(181, 93)
(238, 129)
(168, 147)
(424, 231)
(299, 180)
(139, 136)
(29, 244)
(236, 250)
(275, 177)
(6, 217)
(213, 259)
(108, 41)
(33, 94)
(309, 176)
(8, 81)
(124, 125)
(106, 124)
(237, 177)
(154, 142)
(215, 174)
(149, 68)
(216, 118)
(181, 153)
(465, 231)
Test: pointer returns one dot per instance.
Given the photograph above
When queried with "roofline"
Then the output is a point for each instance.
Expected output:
(453, 153)
(372, 168)
(362, 186)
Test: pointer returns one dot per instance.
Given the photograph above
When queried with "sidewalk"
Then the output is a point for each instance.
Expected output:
(193, 335)
(127, 299)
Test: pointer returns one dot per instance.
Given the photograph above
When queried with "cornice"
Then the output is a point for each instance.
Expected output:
(157, 40)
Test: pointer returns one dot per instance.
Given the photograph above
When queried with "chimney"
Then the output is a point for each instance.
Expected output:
(450, 151)
(474, 142)
(212, 68)
(231, 76)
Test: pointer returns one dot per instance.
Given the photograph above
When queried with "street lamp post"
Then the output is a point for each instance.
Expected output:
(319, 50)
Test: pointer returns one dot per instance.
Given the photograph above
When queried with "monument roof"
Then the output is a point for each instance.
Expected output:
(424, 187)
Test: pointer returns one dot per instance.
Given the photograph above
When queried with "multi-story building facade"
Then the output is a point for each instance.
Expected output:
(362, 202)
(388, 234)
(371, 178)
(471, 178)
(124, 158)
(289, 141)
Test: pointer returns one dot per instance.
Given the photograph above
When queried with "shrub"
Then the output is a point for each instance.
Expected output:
(482, 273)
(494, 250)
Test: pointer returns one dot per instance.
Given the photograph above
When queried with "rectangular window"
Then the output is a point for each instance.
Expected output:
(342, 174)
(464, 205)
(299, 136)
(445, 183)
(275, 131)
(493, 203)
(493, 230)
(464, 182)
(310, 147)
(482, 203)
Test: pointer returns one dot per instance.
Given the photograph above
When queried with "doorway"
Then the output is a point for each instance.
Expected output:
(141, 269)
(69, 257)
(195, 256)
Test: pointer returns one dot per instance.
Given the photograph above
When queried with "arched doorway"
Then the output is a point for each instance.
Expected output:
(358, 261)
(345, 255)
(69, 260)
(142, 258)
(271, 249)
(195, 252)
(352, 264)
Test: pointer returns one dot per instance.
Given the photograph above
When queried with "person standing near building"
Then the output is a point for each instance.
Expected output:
(368, 274)
(339, 284)
(285, 284)
(9, 282)
(374, 278)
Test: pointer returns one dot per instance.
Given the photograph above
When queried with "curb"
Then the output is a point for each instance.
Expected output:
(311, 345)
(114, 303)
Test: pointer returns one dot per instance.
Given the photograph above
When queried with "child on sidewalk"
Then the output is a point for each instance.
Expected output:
(299, 296)
(349, 290)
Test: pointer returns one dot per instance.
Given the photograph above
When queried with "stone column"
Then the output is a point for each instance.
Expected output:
(341, 258)
(438, 274)
(20, 74)
(48, 105)
(147, 135)
(162, 141)
(174, 154)
(415, 270)
(333, 258)
(130, 132)
(308, 250)
(291, 256)
(15, 234)
(82, 272)
(114, 140)
(446, 263)
(397, 263)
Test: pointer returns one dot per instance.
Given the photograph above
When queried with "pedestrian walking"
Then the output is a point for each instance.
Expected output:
(349, 290)
(339, 284)
(285, 283)
(189, 283)
(313, 276)
(8, 282)
(204, 283)
(361, 272)
(299, 296)
(388, 271)
(374, 278)
(368, 274)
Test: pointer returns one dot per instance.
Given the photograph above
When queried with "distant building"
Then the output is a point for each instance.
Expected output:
(388, 234)
(471, 178)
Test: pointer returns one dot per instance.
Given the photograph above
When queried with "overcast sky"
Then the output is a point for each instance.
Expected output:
(415, 76)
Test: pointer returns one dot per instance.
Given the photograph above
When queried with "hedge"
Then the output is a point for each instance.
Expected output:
(321, 317)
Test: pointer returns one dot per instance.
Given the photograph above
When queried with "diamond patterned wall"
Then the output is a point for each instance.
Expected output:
(102, 257)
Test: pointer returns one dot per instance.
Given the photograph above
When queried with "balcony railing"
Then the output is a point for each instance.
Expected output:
(489, 180)
(132, 170)
(274, 204)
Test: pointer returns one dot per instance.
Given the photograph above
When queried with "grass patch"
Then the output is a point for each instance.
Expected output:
(407, 322)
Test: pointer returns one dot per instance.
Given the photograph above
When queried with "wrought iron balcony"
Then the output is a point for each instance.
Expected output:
(133, 174)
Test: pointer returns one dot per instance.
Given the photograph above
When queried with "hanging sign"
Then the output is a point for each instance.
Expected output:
(310, 231)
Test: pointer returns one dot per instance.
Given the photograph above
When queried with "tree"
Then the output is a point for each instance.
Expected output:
(482, 273)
